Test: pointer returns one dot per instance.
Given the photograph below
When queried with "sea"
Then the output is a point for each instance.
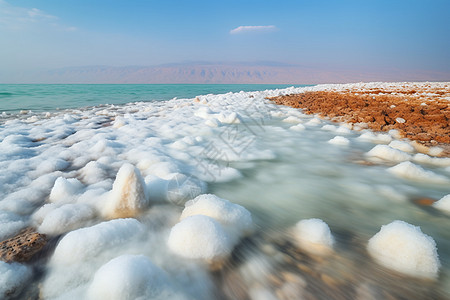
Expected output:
(50, 97)
(213, 192)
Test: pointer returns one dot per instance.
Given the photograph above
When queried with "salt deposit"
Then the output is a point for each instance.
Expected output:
(443, 204)
(412, 171)
(87, 243)
(388, 153)
(128, 196)
(339, 140)
(314, 236)
(235, 218)
(405, 248)
(68, 172)
(130, 277)
(200, 237)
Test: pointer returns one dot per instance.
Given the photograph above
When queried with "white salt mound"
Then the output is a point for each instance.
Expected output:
(65, 190)
(200, 237)
(314, 236)
(339, 140)
(13, 278)
(129, 277)
(401, 145)
(86, 243)
(128, 196)
(65, 218)
(388, 153)
(443, 204)
(236, 219)
(411, 171)
(405, 248)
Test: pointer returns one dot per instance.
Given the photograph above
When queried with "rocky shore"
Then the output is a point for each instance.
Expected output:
(419, 111)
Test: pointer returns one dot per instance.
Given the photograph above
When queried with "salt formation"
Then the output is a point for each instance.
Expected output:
(314, 236)
(339, 140)
(405, 248)
(411, 171)
(64, 190)
(388, 153)
(443, 204)
(209, 229)
(87, 243)
(233, 217)
(200, 237)
(128, 197)
(130, 277)
(13, 278)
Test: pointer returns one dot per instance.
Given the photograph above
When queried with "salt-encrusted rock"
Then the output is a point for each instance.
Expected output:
(200, 237)
(128, 197)
(405, 248)
(130, 277)
(314, 236)
(23, 246)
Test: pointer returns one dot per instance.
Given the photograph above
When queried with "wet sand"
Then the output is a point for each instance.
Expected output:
(419, 111)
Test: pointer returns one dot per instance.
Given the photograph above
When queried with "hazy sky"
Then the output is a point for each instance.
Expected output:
(359, 34)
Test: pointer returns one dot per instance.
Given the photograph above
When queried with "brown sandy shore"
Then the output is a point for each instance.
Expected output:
(419, 111)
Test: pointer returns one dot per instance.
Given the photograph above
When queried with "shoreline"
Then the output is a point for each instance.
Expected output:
(419, 112)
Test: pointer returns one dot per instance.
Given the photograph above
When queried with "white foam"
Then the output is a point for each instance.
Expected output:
(405, 248)
(314, 236)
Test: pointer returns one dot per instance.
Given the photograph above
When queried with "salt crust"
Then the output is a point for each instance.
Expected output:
(405, 248)
(314, 236)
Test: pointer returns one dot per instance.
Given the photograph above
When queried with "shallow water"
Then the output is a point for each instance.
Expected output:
(241, 148)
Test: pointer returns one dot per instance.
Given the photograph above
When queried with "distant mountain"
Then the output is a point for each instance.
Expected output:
(207, 72)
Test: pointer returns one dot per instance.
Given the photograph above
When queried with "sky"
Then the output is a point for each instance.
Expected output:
(357, 35)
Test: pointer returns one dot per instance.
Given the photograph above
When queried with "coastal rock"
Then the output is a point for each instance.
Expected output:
(23, 246)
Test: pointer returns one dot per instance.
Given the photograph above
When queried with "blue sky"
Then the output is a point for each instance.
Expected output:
(356, 35)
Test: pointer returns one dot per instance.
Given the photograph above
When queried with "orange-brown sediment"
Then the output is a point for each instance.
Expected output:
(422, 115)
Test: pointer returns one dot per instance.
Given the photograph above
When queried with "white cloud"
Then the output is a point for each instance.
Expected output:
(15, 18)
(247, 29)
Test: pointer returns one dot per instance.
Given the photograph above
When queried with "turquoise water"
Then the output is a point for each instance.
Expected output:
(49, 97)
